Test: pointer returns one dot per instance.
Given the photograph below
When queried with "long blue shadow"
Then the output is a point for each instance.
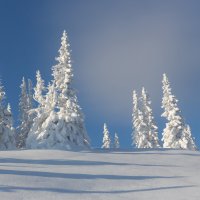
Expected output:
(72, 191)
(81, 176)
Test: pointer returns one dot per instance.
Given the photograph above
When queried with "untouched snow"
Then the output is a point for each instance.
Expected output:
(100, 175)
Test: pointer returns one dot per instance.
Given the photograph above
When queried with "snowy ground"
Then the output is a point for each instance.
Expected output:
(105, 175)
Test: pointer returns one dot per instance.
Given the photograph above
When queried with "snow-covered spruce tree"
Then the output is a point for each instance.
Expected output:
(176, 134)
(45, 123)
(106, 138)
(38, 114)
(139, 134)
(116, 141)
(62, 122)
(70, 117)
(7, 132)
(25, 105)
(151, 128)
(135, 134)
(188, 139)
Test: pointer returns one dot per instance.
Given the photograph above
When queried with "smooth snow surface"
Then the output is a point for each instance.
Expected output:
(100, 175)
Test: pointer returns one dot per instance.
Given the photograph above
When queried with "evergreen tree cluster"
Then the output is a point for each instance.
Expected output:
(177, 133)
(145, 134)
(58, 121)
(50, 115)
(107, 143)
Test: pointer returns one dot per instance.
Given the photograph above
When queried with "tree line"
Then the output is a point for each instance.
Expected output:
(176, 134)
(50, 116)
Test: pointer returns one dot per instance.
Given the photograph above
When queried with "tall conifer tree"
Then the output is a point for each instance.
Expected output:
(116, 141)
(106, 138)
(139, 137)
(151, 132)
(7, 131)
(61, 121)
(176, 133)
(23, 129)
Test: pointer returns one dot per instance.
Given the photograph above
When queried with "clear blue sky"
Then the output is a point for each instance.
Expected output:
(117, 46)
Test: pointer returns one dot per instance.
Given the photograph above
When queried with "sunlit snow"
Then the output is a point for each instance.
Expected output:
(100, 174)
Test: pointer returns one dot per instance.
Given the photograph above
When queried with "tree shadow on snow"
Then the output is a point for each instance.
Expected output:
(72, 191)
(74, 162)
(57, 162)
(81, 176)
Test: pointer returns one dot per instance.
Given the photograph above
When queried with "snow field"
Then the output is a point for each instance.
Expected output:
(100, 174)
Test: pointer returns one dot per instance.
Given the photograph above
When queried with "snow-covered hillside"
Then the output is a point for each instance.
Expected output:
(100, 174)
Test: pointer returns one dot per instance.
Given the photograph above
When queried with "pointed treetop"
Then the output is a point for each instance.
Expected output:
(64, 52)
(2, 93)
(143, 89)
(64, 39)
(134, 93)
(9, 108)
(145, 96)
(23, 79)
(164, 76)
(135, 99)
(165, 79)
(38, 74)
(65, 34)
(144, 92)
(166, 85)
(23, 85)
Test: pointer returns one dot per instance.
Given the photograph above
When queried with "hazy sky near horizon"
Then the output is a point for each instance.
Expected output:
(117, 46)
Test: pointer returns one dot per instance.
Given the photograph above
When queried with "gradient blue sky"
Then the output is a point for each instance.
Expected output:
(117, 46)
